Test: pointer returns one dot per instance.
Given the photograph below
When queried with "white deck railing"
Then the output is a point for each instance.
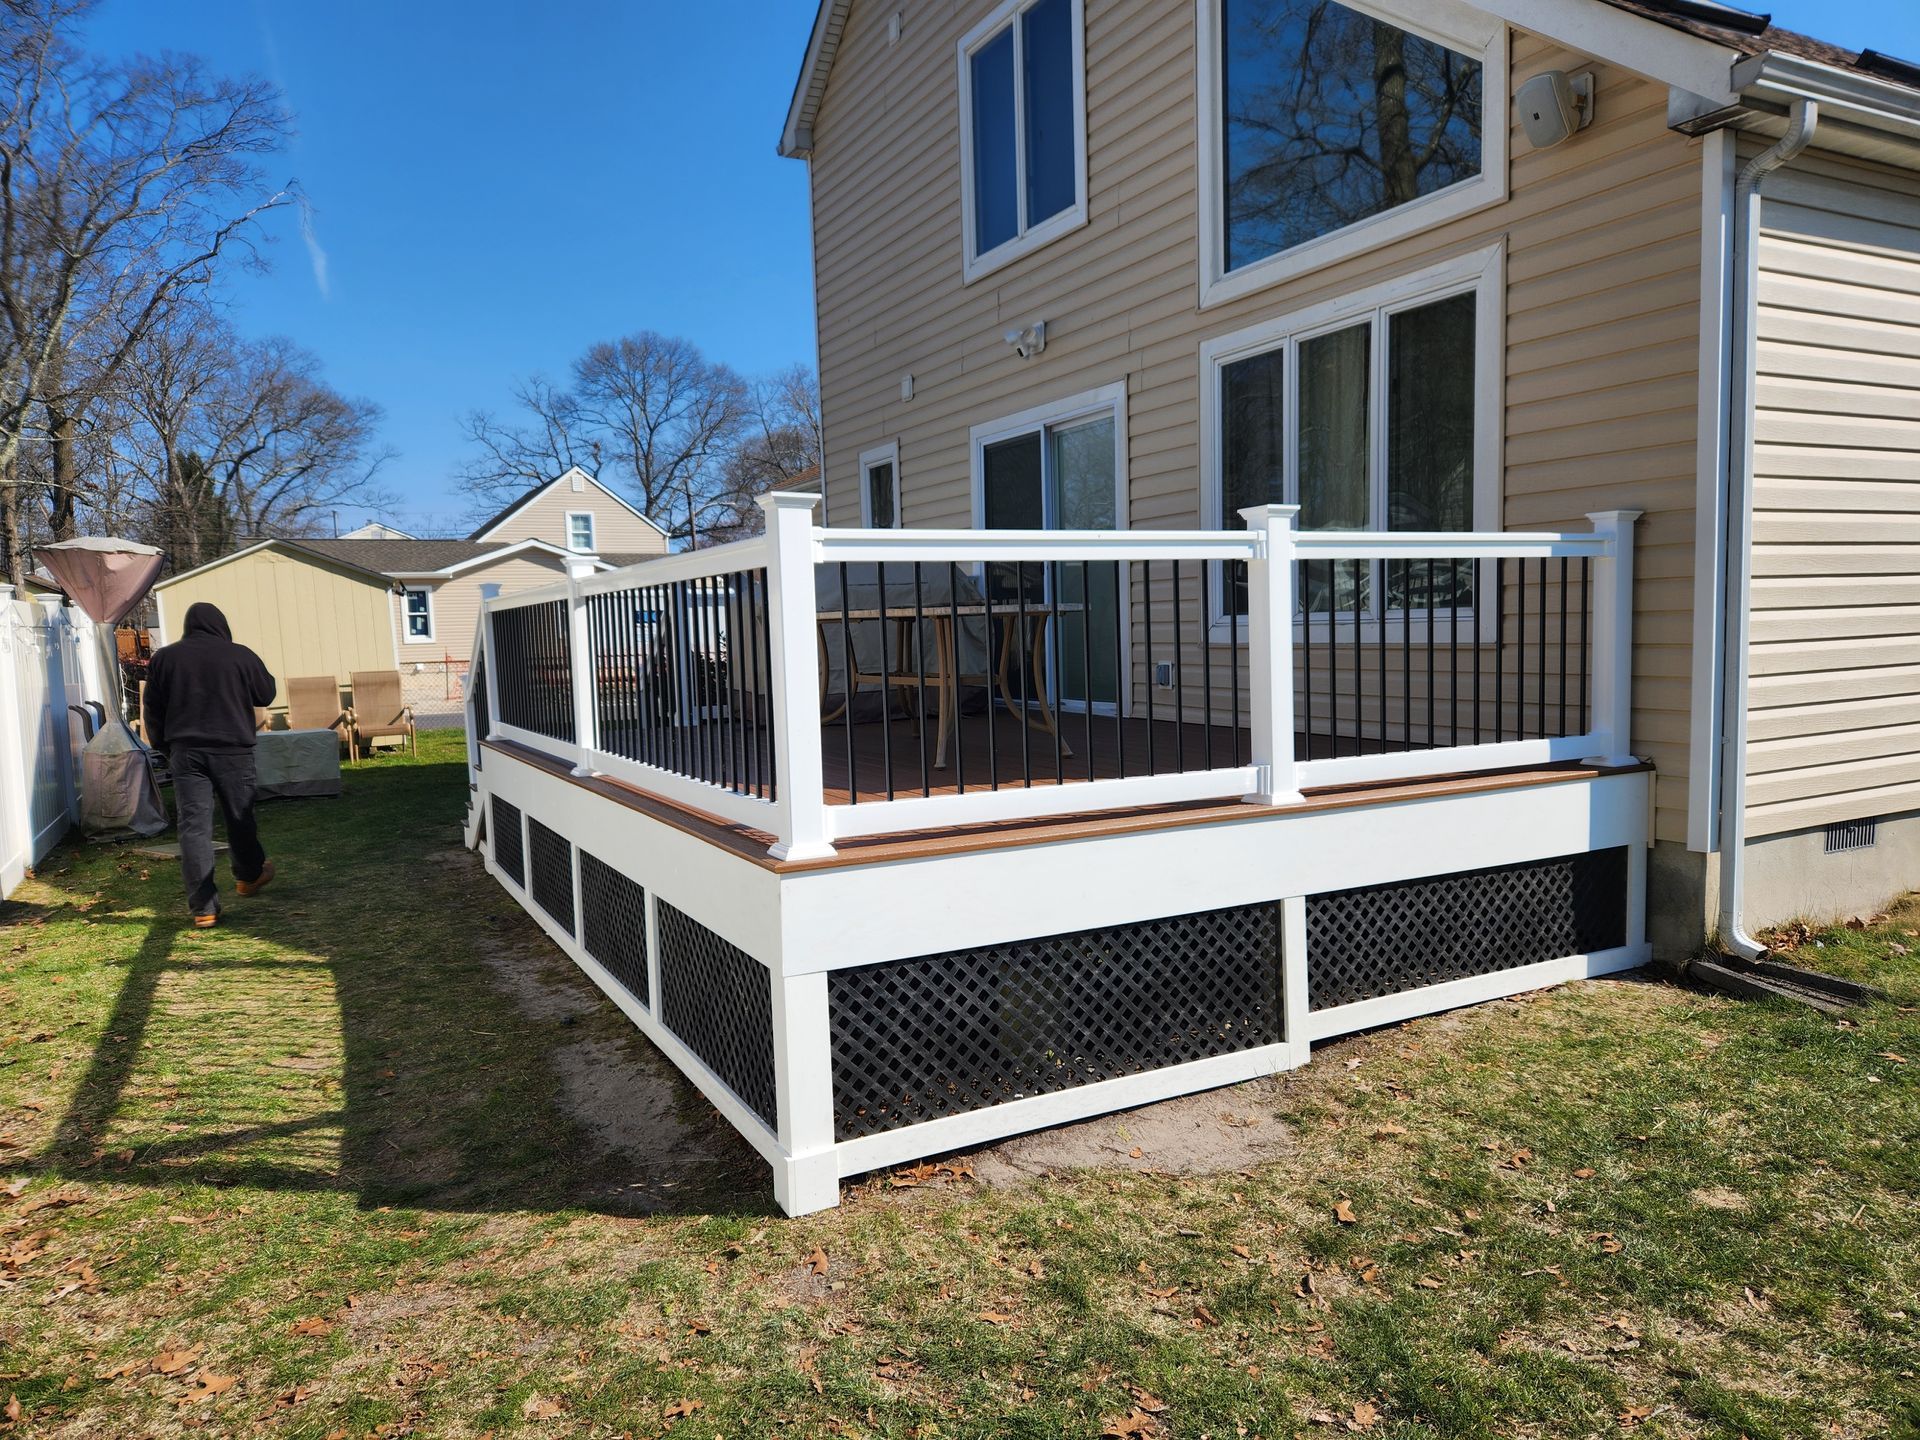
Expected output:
(699, 677)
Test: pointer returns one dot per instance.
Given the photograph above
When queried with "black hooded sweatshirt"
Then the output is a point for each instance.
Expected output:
(202, 689)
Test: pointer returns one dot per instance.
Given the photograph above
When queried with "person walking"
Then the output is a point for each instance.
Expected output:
(200, 699)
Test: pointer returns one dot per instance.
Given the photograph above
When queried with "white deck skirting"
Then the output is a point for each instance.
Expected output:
(802, 924)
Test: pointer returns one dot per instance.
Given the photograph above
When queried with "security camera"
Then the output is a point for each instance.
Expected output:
(1029, 342)
(1553, 105)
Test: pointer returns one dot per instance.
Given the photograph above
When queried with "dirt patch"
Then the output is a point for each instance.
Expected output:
(1718, 1197)
(1215, 1132)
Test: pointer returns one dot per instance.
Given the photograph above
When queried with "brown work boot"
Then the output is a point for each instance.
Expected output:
(206, 922)
(258, 883)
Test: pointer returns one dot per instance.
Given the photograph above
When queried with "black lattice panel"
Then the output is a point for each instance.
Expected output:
(719, 1000)
(552, 873)
(1362, 944)
(914, 1040)
(505, 824)
(613, 923)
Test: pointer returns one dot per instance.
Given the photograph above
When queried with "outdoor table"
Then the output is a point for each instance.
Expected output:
(947, 676)
(297, 763)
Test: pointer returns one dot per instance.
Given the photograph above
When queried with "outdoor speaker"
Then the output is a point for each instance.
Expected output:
(1553, 105)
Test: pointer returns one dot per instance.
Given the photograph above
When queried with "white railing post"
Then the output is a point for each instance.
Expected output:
(1612, 660)
(1270, 652)
(579, 653)
(793, 653)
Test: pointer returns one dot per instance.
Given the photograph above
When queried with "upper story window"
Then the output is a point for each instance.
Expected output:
(580, 531)
(1023, 130)
(1330, 128)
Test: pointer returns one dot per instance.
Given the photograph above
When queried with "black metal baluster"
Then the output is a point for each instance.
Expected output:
(1361, 568)
(1086, 655)
(766, 650)
(886, 679)
(1153, 672)
(1233, 664)
(749, 681)
(1406, 655)
(1206, 668)
(1453, 653)
(738, 707)
(1305, 574)
(951, 700)
(1120, 667)
(993, 666)
(846, 684)
(1564, 568)
(1050, 575)
(1026, 699)
(1432, 674)
(1541, 682)
(1586, 658)
(1380, 638)
(1520, 651)
(920, 671)
(1179, 679)
(1499, 650)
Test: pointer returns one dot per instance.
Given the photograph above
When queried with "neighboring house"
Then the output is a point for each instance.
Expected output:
(375, 530)
(381, 601)
(1450, 469)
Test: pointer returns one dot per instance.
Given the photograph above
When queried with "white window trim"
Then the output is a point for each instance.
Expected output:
(975, 264)
(593, 532)
(406, 629)
(1481, 273)
(1446, 22)
(1088, 405)
(887, 454)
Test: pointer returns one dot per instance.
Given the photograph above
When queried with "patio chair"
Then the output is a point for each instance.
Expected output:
(313, 703)
(379, 712)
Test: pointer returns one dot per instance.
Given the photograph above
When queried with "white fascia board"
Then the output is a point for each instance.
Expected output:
(1633, 42)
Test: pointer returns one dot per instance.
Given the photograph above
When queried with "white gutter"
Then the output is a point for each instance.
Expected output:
(1744, 351)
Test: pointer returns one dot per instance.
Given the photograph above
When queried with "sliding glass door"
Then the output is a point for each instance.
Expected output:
(1061, 477)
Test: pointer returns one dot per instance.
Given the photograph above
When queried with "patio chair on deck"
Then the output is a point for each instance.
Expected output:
(313, 703)
(379, 712)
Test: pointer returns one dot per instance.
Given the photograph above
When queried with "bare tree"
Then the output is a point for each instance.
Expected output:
(122, 189)
(285, 447)
(781, 442)
(512, 458)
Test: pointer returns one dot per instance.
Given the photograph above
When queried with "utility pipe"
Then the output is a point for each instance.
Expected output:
(1744, 352)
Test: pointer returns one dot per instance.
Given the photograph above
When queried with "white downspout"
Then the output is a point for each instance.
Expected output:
(1744, 348)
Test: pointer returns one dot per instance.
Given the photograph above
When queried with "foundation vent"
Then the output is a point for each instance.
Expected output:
(1852, 835)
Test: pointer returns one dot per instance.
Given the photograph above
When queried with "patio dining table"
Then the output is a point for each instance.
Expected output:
(1019, 627)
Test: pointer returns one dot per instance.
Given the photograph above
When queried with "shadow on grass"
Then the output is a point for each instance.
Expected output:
(349, 1031)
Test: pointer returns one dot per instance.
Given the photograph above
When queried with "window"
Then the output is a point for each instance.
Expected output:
(1377, 412)
(419, 614)
(1023, 130)
(1329, 128)
(580, 530)
(880, 487)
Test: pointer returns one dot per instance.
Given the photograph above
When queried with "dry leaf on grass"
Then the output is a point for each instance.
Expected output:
(1343, 1212)
(12, 1411)
(680, 1409)
(1137, 1425)
(817, 1261)
(172, 1362)
(995, 1317)
(206, 1385)
(1388, 1130)
(539, 1407)
(1633, 1415)
(1366, 1415)
(312, 1325)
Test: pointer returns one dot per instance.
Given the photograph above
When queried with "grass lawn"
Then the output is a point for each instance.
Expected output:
(371, 1160)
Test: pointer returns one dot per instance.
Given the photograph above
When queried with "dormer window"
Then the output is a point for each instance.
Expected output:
(1330, 128)
(1023, 130)
(580, 531)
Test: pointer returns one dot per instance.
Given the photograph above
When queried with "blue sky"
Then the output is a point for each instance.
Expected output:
(498, 183)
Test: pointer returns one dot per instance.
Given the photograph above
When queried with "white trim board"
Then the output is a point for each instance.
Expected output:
(493, 526)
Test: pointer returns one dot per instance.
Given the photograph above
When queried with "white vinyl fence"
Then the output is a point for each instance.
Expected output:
(42, 677)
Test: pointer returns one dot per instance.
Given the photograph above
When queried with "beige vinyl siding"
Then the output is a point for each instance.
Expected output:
(456, 604)
(1834, 710)
(299, 614)
(1602, 305)
(616, 530)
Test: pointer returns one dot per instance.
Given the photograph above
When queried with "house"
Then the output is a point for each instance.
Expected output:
(1359, 506)
(378, 599)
